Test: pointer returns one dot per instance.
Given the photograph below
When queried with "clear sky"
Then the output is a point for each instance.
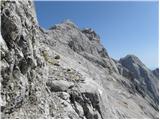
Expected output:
(124, 27)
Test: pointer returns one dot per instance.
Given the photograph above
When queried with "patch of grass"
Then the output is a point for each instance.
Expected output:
(75, 77)
(52, 61)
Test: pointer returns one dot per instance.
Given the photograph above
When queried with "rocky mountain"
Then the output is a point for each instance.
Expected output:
(145, 81)
(156, 72)
(65, 72)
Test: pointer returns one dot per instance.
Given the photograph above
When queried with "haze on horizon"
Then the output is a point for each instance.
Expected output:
(124, 27)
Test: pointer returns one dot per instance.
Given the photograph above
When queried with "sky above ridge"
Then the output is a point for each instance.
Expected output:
(124, 27)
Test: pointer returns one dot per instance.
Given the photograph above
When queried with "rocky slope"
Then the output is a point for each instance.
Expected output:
(65, 72)
(156, 72)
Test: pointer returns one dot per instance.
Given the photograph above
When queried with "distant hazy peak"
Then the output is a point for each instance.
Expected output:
(156, 72)
(132, 59)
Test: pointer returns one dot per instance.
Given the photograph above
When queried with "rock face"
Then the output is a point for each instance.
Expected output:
(145, 81)
(156, 72)
(65, 72)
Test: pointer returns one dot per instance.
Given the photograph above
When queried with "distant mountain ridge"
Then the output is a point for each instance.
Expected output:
(146, 79)
(156, 72)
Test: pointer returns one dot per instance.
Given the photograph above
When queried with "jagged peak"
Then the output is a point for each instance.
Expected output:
(156, 72)
(90, 31)
(69, 22)
(91, 34)
(64, 23)
(156, 69)
(132, 58)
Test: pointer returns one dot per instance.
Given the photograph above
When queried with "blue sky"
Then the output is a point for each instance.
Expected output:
(124, 27)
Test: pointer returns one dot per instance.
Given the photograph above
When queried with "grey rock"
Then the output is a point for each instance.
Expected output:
(59, 85)
(84, 82)
(86, 97)
(64, 95)
(156, 72)
(146, 82)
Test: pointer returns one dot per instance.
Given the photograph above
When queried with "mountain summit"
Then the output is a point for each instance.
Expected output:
(65, 72)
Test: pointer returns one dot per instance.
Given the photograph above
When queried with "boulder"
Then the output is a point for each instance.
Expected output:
(59, 85)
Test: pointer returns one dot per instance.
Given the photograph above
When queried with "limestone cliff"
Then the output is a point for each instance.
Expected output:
(65, 72)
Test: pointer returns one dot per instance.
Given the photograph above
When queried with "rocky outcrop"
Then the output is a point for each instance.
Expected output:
(19, 53)
(65, 72)
(146, 82)
(156, 72)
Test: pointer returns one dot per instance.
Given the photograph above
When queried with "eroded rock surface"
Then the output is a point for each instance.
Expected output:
(65, 72)
(156, 72)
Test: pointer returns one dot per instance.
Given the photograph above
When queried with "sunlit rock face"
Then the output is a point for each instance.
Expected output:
(65, 72)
